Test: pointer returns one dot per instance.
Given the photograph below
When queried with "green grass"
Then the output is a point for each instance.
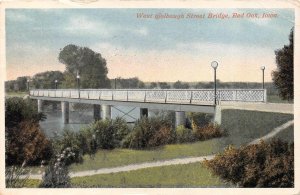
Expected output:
(286, 134)
(188, 175)
(32, 183)
(120, 157)
(277, 99)
(245, 126)
(242, 126)
(16, 94)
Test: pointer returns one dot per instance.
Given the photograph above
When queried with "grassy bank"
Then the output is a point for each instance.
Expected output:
(188, 175)
(16, 94)
(277, 99)
(242, 127)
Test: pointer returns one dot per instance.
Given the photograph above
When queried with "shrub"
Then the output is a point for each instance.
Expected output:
(149, 132)
(199, 120)
(69, 139)
(26, 143)
(57, 174)
(121, 130)
(104, 132)
(207, 132)
(13, 176)
(261, 165)
(184, 134)
(18, 110)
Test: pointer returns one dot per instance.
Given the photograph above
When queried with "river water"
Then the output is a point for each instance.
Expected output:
(82, 118)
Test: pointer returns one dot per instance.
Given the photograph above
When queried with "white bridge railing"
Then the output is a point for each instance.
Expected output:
(184, 96)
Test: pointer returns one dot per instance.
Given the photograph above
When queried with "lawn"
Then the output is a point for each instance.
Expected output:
(16, 94)
(277, 99)
(188, 175)
(286, 134)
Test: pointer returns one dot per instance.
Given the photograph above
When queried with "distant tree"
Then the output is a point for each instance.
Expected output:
(22, 83)
(46, 80)
(153, 85)
(90, 65)
(126, 83)
(180, 85)
(164, 85)
(283, 77)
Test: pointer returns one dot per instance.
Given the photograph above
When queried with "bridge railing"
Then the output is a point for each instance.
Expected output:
(186, 96)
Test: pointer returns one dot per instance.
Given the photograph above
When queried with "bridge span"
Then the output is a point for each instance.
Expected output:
(178, 100)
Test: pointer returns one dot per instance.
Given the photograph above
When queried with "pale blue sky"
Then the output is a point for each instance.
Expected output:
(167, 50)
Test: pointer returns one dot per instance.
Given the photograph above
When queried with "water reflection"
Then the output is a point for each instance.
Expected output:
(82, 118)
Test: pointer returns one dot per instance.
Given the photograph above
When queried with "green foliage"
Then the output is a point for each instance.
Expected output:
(90, 65)
(184, 134)
(180, 85)
(13, 176)
(24, 138)
(199, 119)
(46, 80)
(164, 85)
(57, 172)
(69, 139)
(283, 77)
(149, 132)
(261, 165)
(18, 109)
(104, 132)
(208, 131)
(153, 85)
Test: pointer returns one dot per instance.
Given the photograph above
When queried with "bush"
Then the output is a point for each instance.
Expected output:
(57, 173)
(261, 165)
(104, 132)
(26, 142)
(69, 139)
(13, 176)
(184, 134)
(121, 130)
(207, 132)
(149, 132)
(199, 120)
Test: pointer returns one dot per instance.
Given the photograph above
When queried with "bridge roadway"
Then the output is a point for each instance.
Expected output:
(178, 100)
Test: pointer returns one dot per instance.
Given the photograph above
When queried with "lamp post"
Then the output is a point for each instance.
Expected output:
(28, 85)
(78, 83)
(214, 65)
(263, 76)
(56, 83)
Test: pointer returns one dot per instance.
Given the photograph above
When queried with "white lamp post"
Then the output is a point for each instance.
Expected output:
(214, 65)
(263, 76)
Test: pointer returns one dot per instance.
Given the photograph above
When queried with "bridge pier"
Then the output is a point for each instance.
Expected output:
(179, 118)
(40, 105)
(65, 112)
(218, 115)
(97, 112)
(106, 109)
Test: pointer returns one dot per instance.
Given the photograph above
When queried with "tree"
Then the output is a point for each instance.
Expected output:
(22, 83)
(153, 85)
(46, 80)
(164, 85)
(90, 65)
(283, 77)
(180, 85)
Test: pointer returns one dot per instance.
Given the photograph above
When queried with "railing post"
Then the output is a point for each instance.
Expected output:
(166, 97)
(191, 97)
(112, 95)
(100, 95)
(145, 96)
(265, 95)
(127, 95)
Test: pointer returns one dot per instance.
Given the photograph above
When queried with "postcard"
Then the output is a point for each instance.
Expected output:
(149, 97)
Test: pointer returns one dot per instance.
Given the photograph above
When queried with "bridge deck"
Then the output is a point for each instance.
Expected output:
(171, 99)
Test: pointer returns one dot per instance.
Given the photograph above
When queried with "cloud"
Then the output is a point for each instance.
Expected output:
(18, 17)
(82, 25)
(143, 31)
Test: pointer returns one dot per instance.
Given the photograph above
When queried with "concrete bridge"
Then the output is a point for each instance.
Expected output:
(178, 100)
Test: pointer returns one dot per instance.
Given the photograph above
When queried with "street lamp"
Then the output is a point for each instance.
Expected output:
(263, 76)
(28, 85)
(78, 83)
(56, 84)
(214, 65)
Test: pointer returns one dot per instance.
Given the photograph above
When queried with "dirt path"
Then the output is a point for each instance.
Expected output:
(162, 163)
